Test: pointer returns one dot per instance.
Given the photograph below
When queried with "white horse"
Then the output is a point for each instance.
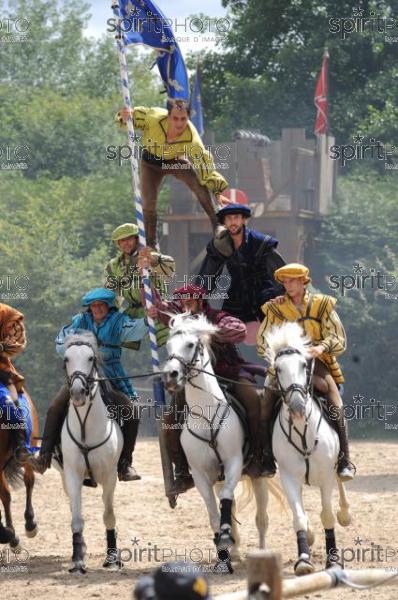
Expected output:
(304, 444)
(91, 444)
(213, 436)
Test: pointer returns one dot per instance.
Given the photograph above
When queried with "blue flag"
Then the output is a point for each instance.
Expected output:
(144, 23)
(196, 104)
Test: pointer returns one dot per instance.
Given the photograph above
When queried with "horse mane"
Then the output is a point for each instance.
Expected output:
(194, 324)
(288, 335)
(85, 336)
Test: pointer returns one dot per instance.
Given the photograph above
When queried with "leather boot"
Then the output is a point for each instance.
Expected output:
(263, 454)
(52, 431)
(183, 480)
(126, 472)
(345, 468)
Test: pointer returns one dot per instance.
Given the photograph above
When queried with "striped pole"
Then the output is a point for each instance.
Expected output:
(121, 50)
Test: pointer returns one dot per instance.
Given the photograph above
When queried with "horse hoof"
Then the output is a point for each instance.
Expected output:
(113, 565)
(14, 543)
(31, 533)
(344, 517)
(223, 567)
(303, 567)
(79, 569)
(6, 535)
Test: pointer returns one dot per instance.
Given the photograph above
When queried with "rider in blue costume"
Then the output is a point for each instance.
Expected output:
(112, 329)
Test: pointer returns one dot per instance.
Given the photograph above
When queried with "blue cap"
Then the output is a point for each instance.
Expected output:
(100, 295)
(234, 209)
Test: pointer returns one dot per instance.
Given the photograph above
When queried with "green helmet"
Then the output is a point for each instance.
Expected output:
(124, 231)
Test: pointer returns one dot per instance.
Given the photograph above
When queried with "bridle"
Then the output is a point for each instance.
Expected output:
(189, 371)
(90, 386)
(305, 392)
(88, 381)
(295, 387)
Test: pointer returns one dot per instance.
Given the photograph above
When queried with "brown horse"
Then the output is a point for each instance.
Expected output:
(10, 474)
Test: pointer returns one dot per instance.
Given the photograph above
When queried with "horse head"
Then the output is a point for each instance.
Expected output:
(188, 347)
(80, 363)
(287, 352)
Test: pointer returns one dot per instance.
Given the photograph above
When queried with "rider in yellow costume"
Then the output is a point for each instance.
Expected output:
(317, 316)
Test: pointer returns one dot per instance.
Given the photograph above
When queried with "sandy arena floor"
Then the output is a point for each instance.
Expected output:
(150, 532)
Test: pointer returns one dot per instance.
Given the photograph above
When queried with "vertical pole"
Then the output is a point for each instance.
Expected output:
(121, 50)
(159, 396)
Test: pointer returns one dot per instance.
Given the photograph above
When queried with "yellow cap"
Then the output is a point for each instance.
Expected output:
(292, 270)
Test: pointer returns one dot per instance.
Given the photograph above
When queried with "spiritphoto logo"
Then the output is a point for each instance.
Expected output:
(14, 30)
(364, 278)
(359, 22)
(14, 157)
(148, 552)
(366, 409)
(14, 560)
(192, 154)
(361, 150)
(14, 287)
(195, 28)
(363, 551)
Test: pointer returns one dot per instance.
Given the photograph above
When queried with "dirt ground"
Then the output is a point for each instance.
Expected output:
(150, 532)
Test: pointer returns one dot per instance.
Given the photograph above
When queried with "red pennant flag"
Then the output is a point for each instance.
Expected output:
(321, 98)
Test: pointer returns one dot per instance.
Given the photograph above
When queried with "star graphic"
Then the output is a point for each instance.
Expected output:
(357, 268)
(358, 398)
(357, 138)
(358, 12)
(358, 541)
(135, 541)
(135, 138)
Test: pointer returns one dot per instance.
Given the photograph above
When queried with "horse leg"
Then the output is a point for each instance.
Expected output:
(73, 484)
(261, 494)
(30, 523)
(206, 490)
(293, 492)
(109, 518)
(344, 514)
(5, 496)
(328, 521)
(234, 550)
(233, 471)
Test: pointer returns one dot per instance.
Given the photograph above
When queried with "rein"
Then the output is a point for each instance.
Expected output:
(87, 381)
(304, 391)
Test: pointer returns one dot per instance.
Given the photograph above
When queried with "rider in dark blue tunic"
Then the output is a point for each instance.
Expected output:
(251, 259)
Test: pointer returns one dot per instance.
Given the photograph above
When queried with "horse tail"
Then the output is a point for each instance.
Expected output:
(277, 493)
(246, 494)
(13, 473)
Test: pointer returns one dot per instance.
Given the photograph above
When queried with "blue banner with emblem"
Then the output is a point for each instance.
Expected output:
(142, 22)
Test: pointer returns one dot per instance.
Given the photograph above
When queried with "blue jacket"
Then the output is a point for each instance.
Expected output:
(114, 330)
(251, 269)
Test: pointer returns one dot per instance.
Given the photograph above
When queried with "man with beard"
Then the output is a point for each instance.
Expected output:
(250, 258)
